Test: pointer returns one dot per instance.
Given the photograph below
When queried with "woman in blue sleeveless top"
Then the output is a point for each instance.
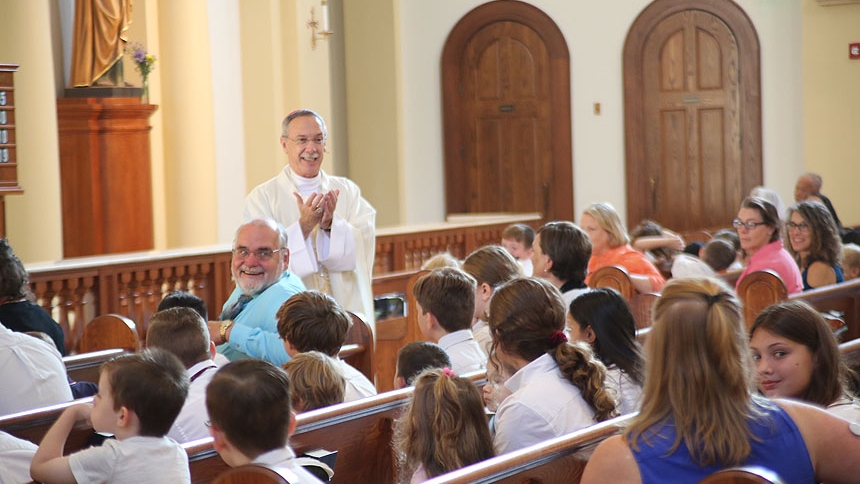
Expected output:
(814, 244)
(700, 412)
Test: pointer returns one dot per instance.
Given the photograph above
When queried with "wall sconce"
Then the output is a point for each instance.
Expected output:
(314, 25)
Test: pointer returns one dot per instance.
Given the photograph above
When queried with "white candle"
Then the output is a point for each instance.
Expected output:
(325, 16)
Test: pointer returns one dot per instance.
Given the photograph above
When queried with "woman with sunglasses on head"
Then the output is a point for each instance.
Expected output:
(758, 227)
(814, 243)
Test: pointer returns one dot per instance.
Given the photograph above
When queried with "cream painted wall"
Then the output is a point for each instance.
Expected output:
(189, 134)
(33, 219)
(374, 83)
(595, 32)
(832, 115)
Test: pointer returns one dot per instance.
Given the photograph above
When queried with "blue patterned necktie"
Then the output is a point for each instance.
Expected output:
(234, 309)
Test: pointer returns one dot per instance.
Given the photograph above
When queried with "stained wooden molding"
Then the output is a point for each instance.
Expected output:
(827, 3)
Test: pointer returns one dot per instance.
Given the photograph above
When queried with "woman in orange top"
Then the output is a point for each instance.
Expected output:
(610, 245)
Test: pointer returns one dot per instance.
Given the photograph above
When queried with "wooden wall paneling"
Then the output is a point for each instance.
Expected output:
(105, 175)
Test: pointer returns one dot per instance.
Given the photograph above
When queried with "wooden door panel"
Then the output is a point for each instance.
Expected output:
(507, 113)
(688, 177)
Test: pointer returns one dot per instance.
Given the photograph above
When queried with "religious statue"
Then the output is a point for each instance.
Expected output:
(99, 41)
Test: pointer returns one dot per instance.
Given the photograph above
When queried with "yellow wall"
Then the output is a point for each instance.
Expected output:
(33, 220)
(372, 40)
(831, 103)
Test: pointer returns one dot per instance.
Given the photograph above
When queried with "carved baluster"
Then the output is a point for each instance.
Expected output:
(80, 288)
(124, 295)
(62, 304)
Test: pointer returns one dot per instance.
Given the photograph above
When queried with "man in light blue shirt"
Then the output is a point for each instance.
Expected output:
(247, 326)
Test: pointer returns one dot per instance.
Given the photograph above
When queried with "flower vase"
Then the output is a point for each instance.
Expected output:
(144, 92)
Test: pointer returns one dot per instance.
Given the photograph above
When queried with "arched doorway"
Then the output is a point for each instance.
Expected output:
(692, 113)
(506, 113)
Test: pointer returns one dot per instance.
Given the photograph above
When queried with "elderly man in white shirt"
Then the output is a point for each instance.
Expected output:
(32, 372)
(330, 227)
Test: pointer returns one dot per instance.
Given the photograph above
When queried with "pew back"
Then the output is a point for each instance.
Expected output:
(33, 424)
(85, 366)
(110, 331)
(559, 460)
(361, 432)
(759, 290)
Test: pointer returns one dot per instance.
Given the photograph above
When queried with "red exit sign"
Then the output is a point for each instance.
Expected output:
(854, 51)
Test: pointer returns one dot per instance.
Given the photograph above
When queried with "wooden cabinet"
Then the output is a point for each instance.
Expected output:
(8, 153)
(105, 175)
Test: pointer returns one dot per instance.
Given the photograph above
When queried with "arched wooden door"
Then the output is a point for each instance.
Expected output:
(692, 113)
(506, 113)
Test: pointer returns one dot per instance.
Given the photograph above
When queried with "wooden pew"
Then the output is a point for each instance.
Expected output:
(85, 366)
(559, 460)
(759, 290)
(110, 331)
(850, 351)
(360, 431)
(251, 474)
(393, 333)
(358, 348)
(617, 277)
(33, 424)
(843, 297)
(743, 475)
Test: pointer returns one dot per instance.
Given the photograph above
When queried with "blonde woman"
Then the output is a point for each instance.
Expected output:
(610, 245)
(700, 411)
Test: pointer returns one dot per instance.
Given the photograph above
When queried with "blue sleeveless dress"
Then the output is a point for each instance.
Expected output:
(780, 448)
(839, 277)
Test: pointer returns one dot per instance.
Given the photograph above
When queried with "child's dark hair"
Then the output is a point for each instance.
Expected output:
(719, 254)
(152, 383)
(249, 400)
(449, 294)
(182, 299)
(522, 233)
(614, 329)
(418, 356)
(445, 427)
(527, 316)
(568, 247)
(313, 321)
(181, 331)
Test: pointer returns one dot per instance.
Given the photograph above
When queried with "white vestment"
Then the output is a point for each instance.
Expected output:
(339, 263)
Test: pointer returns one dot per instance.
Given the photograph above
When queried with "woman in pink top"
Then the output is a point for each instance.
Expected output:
(610, 246)
(758, 227)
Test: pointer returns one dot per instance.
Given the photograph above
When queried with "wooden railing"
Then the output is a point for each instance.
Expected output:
(77, 290)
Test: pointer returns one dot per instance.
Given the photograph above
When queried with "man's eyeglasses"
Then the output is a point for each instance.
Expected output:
(736, 223)
(243, 253)
(802, 226)
(302, 141)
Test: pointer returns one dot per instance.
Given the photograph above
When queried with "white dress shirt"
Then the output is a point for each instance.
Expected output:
(481, 333)
(543, 405)
(283, 460)
(190, 424)
(465, 353)
(32, 372)
(629, 394)
(357, 385)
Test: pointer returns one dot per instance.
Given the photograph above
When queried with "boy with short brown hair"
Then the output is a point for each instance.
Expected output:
(139, 397)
